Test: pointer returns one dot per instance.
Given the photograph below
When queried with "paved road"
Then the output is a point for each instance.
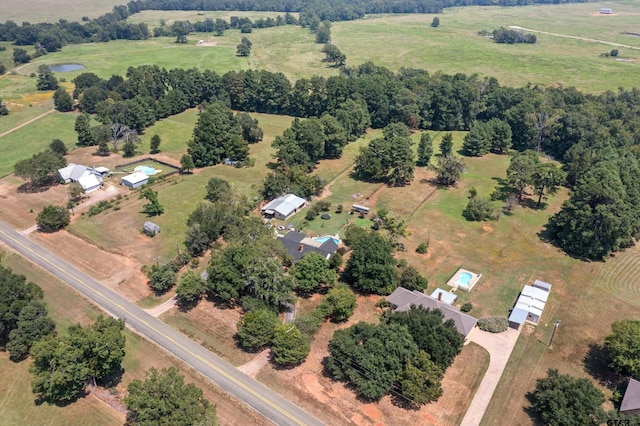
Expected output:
(257, 396)
(499, 346)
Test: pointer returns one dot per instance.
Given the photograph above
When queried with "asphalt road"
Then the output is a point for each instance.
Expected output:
(227, 377)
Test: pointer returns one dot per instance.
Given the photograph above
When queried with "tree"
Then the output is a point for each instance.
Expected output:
(40, 168)
(339, 303)
(20, 56)
(121, 133)
(500, 135)
(103, 343)
(371, 267)
(323, 34)
(310, 272)
(560, 399)
(546, 179)
(411, 279)
(196, 241)
(186, 163)
(289, 346)
(33, 324)
(62, 100)
(164, 398)
(478, 209)
(75, 191)
(251, 132)
(333, 54)
(449, 170)
(58, 147)
(46, 79)
(218, 189)
(446, 144)
(83, 129)
(190, 288)
(436, 22)
(623, 348)
(425, 150)
(162, 278)
(521, 169)
(244, 48)
(614, 52)
(155, 144)
(256, 328)
(478, 141)
(15, 294)
(128, 149)
(153, 207)
(3, 107)
(53, 218)
(420, 381)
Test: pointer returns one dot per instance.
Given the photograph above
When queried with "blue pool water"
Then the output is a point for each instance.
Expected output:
(149, 171)
(324, 239)
(464, 279)
(66, 67)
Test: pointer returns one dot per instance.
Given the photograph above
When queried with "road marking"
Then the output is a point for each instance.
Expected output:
(134, 315)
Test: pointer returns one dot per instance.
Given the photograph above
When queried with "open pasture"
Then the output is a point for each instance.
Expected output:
(51, 11)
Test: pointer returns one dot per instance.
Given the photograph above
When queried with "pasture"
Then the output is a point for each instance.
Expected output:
(46, 11)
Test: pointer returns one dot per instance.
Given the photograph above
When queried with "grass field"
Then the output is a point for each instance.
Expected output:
(48, 11)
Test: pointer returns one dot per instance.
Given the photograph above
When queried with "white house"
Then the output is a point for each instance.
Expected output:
(135, 180)
(284, 206)
(88, 178)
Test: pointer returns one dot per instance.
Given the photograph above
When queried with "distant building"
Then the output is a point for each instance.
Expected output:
(283, 206)
(402, 300)
(631, 401)
(151, 228)
(298, 244)
(605, 11)
(230, 162)
(135, 180)
(530, 304)
(88, 178)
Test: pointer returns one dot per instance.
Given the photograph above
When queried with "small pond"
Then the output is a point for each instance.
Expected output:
(66, 67)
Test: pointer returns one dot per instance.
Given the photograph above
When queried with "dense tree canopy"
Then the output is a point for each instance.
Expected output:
(164, 398)
(310, 272)
(40, 168)
(256, 328)
(622, 345)
(33, 324)
(563, 400)
(53, 218)
(371, 267)
(289, 346)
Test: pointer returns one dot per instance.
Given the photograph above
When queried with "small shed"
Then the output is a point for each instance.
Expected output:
(135, 180)
(605, 11)
(360, 209)
(102, 170)
(151, 228)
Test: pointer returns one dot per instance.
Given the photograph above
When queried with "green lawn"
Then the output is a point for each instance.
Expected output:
(46, 11)
(35, 137)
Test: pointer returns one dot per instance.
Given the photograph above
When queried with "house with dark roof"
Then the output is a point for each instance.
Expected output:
(402, 300)
(283, 206)
(631, 401)
(298, 244)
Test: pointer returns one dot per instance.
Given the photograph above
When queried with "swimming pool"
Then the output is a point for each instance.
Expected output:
(147, 170)
(325, 239)
(464, 279)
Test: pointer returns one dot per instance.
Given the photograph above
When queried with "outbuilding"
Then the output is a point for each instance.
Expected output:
(151, 228)
(135, 180)
(530, 304)
(360, 209)
(284, 206)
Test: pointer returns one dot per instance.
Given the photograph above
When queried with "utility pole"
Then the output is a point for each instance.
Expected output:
(553, 333)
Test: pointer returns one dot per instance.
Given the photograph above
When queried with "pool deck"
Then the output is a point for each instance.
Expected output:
(474, 279)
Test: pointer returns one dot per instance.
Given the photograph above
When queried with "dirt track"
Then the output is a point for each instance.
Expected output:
(26, 123)
(592, 40)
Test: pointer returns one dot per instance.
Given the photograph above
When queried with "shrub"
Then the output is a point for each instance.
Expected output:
(422, 248)
(311, 214)
(614, 53)
(467, 307)
(53, 218)
(324, 205)
(493, 324)
(339, 208)
(478, 209)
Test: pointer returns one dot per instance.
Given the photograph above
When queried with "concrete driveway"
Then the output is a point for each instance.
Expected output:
(499, 346)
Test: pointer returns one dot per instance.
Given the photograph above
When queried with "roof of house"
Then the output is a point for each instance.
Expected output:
(446, 296)
(542, 285)
(102, 169)
(403, 299)
(298, 244)
(135, 178)
(631, 399)
(531, 300)
(518, 315)
(285, 205)
(75, 172)
(88, 180)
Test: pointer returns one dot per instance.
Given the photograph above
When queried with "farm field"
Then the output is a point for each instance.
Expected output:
(67, 307)
(46, 11)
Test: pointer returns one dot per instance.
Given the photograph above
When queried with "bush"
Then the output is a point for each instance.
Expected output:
(311, 214)
(324, 205)
(53, 218)
(422, 248)
(467, 307)
(478, 209)
(614, 53)
(493, 324)
(339, 208)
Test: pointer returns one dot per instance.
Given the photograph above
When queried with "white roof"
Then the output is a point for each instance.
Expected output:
(447, 296)
(101, 169)
(285, 204)
(135, 178)
(535, 293)
(65, 172)
(88, 180)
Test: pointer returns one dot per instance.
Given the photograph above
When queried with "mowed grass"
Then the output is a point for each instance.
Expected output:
(179, 196)
(35, 137)
(46, 11)
(397, 41)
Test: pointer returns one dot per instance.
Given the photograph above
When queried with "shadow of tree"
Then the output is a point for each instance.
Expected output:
(37, 186)
(596, 363)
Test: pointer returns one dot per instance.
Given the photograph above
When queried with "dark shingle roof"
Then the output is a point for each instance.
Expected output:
(296, 248)
(403, 299)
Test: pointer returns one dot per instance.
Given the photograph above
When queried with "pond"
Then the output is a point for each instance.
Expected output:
(66, 67)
